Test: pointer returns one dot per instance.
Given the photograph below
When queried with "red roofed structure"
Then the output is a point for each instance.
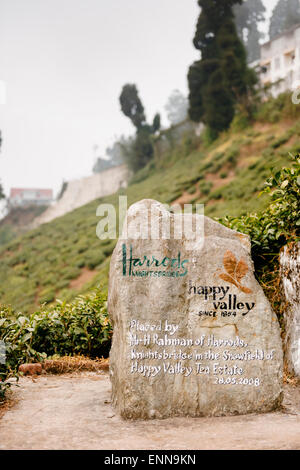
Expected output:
(30, 196)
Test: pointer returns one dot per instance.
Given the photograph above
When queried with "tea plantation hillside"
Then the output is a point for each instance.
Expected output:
(64, 258)
(17, 221)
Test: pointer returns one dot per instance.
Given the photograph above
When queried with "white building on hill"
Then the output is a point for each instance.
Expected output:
(84, 190)
(26, 197)
(280, 61)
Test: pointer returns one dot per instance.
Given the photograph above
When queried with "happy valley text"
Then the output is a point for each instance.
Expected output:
(218, 299)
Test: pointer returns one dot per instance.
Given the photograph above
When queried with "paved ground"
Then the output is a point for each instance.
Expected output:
(73, 412)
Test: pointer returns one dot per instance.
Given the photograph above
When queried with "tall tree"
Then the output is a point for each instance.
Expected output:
(156, 124)
(285, 15)
(221, 78)
(132, 106)
(141, 151)
(248, 15)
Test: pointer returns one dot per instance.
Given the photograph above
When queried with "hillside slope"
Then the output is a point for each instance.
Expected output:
(63, 258)
(18, 221)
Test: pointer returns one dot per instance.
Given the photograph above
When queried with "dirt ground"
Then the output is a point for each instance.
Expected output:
(73, 411)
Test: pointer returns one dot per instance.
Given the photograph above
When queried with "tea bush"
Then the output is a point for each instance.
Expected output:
(272, 228)
(47, 295)
(279, 223)
(232, 154)
(81, 327)
(94, 258)
(205, 187)
(275, 109)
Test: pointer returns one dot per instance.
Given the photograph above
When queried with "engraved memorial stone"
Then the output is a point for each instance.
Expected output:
(194, 334)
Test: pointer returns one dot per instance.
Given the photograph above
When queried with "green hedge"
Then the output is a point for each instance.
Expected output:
(279, 223)
(81, 327)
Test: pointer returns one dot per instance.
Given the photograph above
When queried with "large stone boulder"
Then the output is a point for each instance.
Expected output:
(194, 334)
(290, 280)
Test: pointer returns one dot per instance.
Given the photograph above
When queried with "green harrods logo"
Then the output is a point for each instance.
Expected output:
(170, 267)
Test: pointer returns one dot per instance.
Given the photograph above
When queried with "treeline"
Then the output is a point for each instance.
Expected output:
(220, 83)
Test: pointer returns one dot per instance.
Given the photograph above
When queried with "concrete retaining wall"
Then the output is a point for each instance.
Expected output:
(82, 191)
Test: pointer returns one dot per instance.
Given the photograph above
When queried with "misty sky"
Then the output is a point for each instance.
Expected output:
(64, 63)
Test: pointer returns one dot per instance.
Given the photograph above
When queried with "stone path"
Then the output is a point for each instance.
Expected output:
(74, 412)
